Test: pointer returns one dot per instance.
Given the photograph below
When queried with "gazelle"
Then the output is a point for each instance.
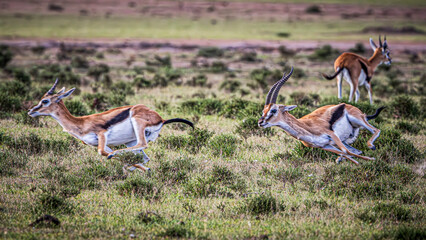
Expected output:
(332, 128)
(358, 70)
(133, 126)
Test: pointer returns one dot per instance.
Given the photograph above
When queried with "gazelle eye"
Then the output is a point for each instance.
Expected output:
(45, 101)
(273, 111)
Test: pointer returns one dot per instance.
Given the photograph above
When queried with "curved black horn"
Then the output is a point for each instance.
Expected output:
(271, 91)
(52, 89)
(380, 41)
(279, 85)
(385, 44)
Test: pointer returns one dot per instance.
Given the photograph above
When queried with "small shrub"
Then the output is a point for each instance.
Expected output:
(175, 171)
(249, 56)
(79, 62)
(326, 52)
(22, 76)
(122, 88)
(239, 108)
(176, 231)
(283, 34)
(52, 204)
(408, 127)
(313, 9)
(224, 145)
(173, 142)
(159, 61)
(285, 52)
(264, 77)
(159, 81)
(9, 103)
(76, 108)
(140, 186)
(149, 217)
(198, 138)
(248, 127)
(210, 52)
(97, 70)
(262, 205)
(11, 161)
(55, 7)
(199, 80)
(385, 211)
(38, 50)
(358, 48)
(218, 67)
(404, 106)
(141, 82)
(202, 106)
(5, 55)
(230, 85)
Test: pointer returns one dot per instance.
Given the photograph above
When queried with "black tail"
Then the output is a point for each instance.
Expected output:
(369, 117)
(332, 76)
(179, 120)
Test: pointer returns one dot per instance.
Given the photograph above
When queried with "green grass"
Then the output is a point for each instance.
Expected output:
(227, 179)
(75, 27)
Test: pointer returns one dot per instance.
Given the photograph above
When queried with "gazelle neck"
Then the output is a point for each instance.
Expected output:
(292, 125)
(63, 116)
(376, 59)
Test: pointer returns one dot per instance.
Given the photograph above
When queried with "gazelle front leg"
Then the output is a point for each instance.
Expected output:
(370, 94)
(102, 144)
(333, 149)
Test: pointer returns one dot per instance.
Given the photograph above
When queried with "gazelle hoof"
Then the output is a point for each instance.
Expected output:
(110, 156)
(373, 147)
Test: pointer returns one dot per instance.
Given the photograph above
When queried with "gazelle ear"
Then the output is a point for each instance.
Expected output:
(289, 108)
(61, 91)
(372, 44)
(66, 94)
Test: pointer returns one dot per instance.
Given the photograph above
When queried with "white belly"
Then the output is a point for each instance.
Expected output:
(316, 141)
(361, 79)
(120, 133)
(343, 128)
(90, 139)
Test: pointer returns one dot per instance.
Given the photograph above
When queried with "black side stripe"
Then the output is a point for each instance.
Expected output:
(336, 115)
(364, 67)
(120, 117)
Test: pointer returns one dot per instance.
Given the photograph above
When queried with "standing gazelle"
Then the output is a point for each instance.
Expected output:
(332, 127)
(358, 70)
(133, 126)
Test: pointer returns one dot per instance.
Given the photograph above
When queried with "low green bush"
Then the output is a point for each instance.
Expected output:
(230, 85)
(385, 211)
(198, 80)
(224, 145)
(324, 53)
(262, 204)
(76, 108)
(5, 55)
(210, 52)
(79, 62)
(140, 186)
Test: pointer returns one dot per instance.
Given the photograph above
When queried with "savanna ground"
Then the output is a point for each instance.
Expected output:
(210, 62)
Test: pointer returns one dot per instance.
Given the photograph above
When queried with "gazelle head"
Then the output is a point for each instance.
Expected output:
(49, 103)
(272, 112)
(383, 48)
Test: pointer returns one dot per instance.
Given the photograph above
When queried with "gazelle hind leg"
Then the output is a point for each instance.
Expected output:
(339, 85)
(343, 149)
(352, 149)
(361, 121)
(356, 94)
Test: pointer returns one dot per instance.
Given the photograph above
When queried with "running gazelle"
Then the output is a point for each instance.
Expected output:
(332, 127)
(133, 126)
(358, 70)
